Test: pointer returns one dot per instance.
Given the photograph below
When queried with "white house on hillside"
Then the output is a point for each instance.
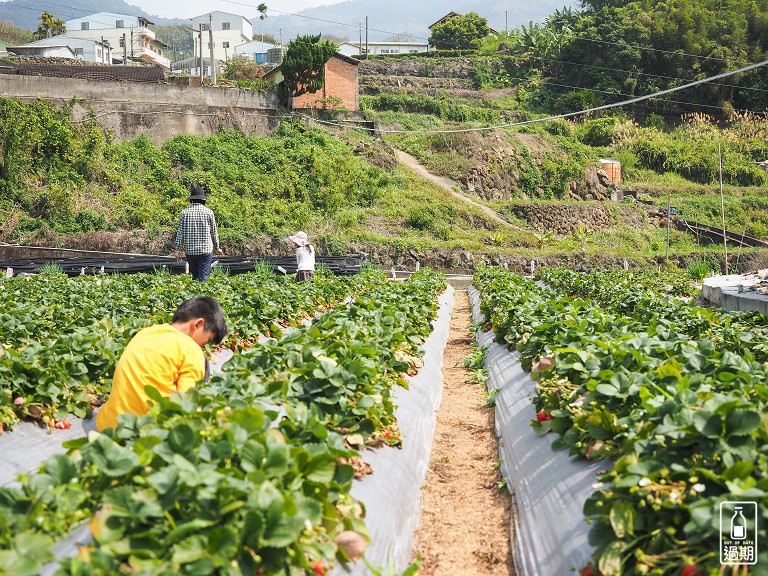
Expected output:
(229, 30)
(130, 36)
(389, 47)
(84, 49)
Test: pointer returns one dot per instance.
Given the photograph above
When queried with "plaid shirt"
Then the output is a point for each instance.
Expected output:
(197, 232)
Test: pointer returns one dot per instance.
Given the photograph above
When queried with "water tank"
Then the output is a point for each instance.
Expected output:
(612, 168)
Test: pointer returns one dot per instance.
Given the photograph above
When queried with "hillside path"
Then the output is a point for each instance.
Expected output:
(464, 528)
(413, 163)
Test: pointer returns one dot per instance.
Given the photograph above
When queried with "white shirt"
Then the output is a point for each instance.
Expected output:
(305, 258)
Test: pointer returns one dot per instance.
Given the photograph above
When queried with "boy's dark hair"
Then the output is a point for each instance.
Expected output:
(206, 308)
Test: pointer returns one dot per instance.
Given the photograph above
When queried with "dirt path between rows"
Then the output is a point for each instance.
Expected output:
(449, 185)
(465, 519)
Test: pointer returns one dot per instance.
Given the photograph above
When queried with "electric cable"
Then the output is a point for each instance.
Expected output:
(571, 114)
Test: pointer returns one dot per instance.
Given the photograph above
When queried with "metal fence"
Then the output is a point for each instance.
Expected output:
(152, 74)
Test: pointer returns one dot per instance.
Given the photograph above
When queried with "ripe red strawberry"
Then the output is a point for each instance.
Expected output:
(691, 570)
(411, 372)
(543, 416)
(232, 347)
(387, 433)
(2, 428)
(318, 567)
(489, 328)
(587, 571)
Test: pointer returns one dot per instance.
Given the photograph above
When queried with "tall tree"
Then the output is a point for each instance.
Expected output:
(49, 26)
(303, 66)
(460, 32)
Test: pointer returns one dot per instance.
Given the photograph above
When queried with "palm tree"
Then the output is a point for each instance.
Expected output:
(49, 26)
(262, 8)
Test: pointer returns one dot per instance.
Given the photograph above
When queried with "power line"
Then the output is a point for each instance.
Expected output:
(549, 82)
(673, 52)
(44, 9)
(355, 26)
(569, 114)
(635, 73)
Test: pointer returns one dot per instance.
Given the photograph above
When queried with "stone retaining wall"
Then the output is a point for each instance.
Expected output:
(564, 219)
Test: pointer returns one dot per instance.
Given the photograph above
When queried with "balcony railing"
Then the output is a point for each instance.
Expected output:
(152, 56)
(147, 33)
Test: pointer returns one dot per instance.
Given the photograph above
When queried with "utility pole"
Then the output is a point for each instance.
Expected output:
(200, 40)
(722, 208)
(506, 33)
(131, 43)
(669, 211)
(366, 37)
(210, 38)
(125, 51)
(360, 40)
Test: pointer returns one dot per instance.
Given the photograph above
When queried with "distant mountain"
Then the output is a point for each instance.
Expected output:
(401, 17)
(24, 13)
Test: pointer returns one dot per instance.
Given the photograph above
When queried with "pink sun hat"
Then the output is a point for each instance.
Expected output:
(300, 238)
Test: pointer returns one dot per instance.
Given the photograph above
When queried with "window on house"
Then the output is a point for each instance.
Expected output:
(85, 25)
(225, 26)
(385, 50)
(119, 24)
(412, 50)
(205, 27)
(394, 51)
(98, 52)
(225, 44)
(122, 41)
(78, 51)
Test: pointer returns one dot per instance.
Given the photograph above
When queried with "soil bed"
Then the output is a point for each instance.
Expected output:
(465, 520)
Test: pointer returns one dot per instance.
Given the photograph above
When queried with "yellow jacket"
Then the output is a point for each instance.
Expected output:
(158, 356)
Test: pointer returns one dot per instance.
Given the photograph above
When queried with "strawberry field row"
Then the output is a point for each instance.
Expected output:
(60, 337)
(249, 474)
(665, 299)
(682, 417)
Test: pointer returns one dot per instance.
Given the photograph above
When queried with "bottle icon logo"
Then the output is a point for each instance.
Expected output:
(738, 533)
(738, 525)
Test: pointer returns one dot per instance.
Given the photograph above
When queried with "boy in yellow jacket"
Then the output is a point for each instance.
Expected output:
(168, 357)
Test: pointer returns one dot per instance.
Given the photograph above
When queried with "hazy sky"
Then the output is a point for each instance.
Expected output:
(247, 8)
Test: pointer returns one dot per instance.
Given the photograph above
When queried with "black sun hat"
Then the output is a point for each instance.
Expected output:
(198, 194)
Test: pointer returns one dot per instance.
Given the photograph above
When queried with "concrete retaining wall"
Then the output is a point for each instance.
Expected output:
(158, 110)
(724, 292)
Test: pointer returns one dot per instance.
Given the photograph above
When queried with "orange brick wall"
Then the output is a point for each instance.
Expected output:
(340, 80)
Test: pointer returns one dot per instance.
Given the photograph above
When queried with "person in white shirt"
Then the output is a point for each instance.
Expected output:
(305, 257)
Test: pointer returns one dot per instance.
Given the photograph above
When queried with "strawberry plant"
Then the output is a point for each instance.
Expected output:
(62, 336)
(222, 480)
(682, 415)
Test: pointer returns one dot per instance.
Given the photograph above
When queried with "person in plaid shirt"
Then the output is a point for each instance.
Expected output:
(197, 235)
